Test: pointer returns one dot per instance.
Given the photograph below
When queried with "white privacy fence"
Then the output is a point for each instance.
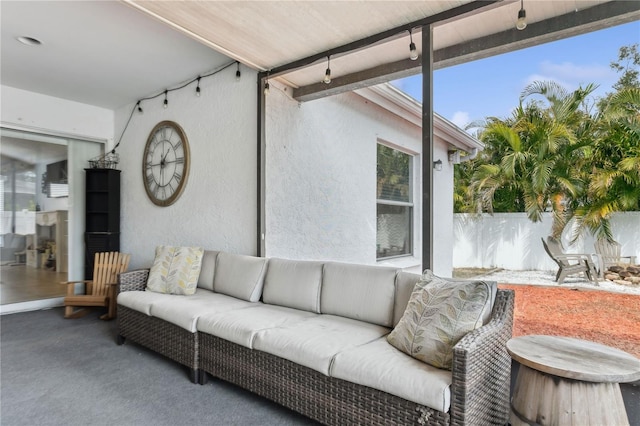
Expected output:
(512, 241)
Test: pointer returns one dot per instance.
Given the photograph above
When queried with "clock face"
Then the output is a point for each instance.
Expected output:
(165, 164)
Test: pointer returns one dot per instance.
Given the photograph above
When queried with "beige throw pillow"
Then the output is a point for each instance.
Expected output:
(439, 313)
(175, 270)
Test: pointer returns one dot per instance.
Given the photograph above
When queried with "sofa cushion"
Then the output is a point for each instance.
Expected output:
(313, 342)
(439, 314)
(379, 365)
(240, 276)
(241, 326)
(207, 270)
(405, 283)
(294, 284)
(360, 292)
(184, 311)
(175, 270)
(141, 301)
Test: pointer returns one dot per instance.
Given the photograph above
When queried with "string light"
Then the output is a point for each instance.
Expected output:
(413, 52)
(198, 87)
(165, 104)
(266, 88)
(327, 73)
(521, 24)
(238, 74)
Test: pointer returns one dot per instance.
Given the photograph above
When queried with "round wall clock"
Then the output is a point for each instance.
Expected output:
(165, 164)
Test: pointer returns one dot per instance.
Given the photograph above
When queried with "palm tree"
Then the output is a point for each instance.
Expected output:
(614, 183)
(537, 155)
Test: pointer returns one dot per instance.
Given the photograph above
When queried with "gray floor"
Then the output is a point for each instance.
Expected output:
(71, 372)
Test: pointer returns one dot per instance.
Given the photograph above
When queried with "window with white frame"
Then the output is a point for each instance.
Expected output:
(394, 203)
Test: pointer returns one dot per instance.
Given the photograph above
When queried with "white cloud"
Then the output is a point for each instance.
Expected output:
(577, 73)
(460, 119)
(571, 76)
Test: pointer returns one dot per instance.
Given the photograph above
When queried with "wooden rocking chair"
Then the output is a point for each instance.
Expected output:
(101, 291)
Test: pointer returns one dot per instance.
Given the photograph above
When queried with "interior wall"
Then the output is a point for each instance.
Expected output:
(34, 111)
(217, 209)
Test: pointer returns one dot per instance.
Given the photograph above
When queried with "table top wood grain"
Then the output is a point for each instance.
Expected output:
(575, 359)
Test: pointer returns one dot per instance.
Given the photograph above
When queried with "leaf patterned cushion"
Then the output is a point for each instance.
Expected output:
(439, 313)
(175, 270)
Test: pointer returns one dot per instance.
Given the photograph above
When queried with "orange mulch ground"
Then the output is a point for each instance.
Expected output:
(612, 319)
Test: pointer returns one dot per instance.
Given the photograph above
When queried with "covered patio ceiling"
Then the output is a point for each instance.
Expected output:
(368, 41)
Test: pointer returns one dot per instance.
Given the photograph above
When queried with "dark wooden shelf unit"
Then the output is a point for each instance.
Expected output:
(102, 215)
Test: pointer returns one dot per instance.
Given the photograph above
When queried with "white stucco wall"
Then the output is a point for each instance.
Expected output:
(512, 241)
(321, 180)
(217, 209)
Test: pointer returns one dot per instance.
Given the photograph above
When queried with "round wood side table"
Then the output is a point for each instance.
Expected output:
(566, 381)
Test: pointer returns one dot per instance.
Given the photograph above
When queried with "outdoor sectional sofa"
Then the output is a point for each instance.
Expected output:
(312, 337)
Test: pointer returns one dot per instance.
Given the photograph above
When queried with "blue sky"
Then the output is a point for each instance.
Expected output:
(492, 86)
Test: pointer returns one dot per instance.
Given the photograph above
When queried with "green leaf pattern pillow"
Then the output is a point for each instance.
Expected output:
(438, 315)
(175, 270)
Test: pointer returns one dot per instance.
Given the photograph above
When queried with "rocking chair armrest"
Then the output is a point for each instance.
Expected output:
(75, 282)
(574, 256)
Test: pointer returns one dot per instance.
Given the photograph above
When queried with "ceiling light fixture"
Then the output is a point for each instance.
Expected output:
(327, 73)
(198, 87)
(165, 104)
(413, 52)
(521, 24)
(238, 74)
(29, 41)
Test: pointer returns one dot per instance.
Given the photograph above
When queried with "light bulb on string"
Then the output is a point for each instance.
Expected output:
(521, 24)
(139, 108)
(413, 52)
(165, 104)
(327, 73)
(198, 88)
(238, 74)
(266, 88)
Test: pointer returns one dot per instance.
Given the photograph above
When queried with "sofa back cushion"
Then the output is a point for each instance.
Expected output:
(359, 292)
(294, 284)
(405, 282)
(239, 276)
(207, 270)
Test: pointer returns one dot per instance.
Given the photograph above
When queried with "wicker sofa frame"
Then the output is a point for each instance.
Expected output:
(479, 391)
